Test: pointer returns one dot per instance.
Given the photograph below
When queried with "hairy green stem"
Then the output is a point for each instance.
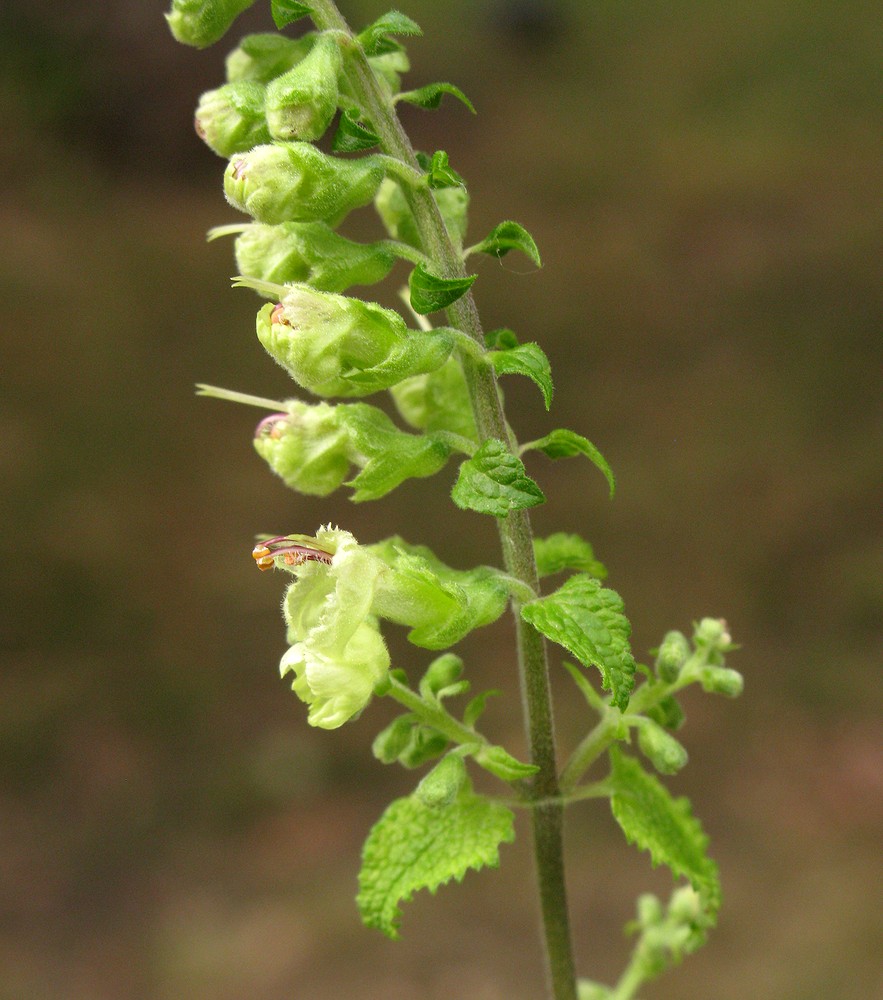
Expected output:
(515, 531)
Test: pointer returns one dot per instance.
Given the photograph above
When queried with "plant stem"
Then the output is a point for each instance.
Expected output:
(515, 531)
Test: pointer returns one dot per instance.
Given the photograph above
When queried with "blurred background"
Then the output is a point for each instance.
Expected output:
(703, 181)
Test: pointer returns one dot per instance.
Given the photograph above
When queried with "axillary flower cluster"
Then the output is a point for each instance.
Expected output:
(282, 95)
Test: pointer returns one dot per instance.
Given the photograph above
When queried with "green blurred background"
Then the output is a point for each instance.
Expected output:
(703, 180)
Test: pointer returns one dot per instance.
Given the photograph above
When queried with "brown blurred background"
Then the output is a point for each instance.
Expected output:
(704, 183)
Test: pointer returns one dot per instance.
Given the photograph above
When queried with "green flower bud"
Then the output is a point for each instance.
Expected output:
(390, 742)
(264, 57)
(306, 447)
(713, 636)
(295, 182)
(396, 214)
(443, 783)
(231, 119)
(649, 910)
(202, 22)
(310, 253)
(663, 751)
(337, 653)
(721, 680)
(437, 401)
(673, 653)
(685, 905)
(425, 744)
(333, 345)
(302, 102)
(442, 672)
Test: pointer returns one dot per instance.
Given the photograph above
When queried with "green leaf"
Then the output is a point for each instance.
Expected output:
(430, 293)
(388, 456)
(494, 482)
(503, 765)
(587, 619)
(501, 339)
(562, 551)
(508, 236)
(430, 96)
(439, 172)
(353, 134)
(475, 708)
(286, 11)
(414, 846)
(562, 443)
(392, 23)
(529, 360)
(656, 822)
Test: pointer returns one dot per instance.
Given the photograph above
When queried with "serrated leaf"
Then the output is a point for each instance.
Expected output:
(353, 134)
(414, 846)
(430, 293)
(587, 619)
(494, 482)
(529, 360)
(392, 23)
(562, 443)
(286, 11)
(655, 821)
(430, 96)
(563, 551)
(508, 236)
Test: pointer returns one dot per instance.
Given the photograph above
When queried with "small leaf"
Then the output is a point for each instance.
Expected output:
(414, 846)
(494, 482)
(430, 293)
(656, 822)
(286, 11)
(505, 237)
(587, 619)
(439, 172)
(501, 339)
(563, 551)
(353, 134)
(529, 360)
(392, 23)
(562, 443)
(475, 708)
(503, 765)
(430, 96)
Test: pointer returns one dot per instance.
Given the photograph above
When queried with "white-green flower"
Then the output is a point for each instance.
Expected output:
(337, 653)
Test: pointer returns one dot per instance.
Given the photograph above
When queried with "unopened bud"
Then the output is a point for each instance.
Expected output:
(264, 57)
(663, 751)
(231, 119)
(392, 740)
(334, 345)
(713, 635)
(202, 22)
(295, 182)
(721, 680)
(443, 783)
(302, 102)
(310, 253)
(442, 672)
(673, 653)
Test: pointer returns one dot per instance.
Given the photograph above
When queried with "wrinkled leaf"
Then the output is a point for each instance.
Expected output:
(439, 172)
(656, 822)
(587, 619)
(415, 846)
(494, 482)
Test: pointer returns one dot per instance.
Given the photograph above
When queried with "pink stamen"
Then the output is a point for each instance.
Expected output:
(272, 426)
(291, 552)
